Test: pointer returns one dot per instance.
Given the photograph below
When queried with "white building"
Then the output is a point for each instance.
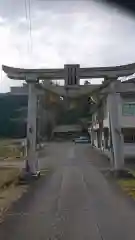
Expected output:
(100, 129)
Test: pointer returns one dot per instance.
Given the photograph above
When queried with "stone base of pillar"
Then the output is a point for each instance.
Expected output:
(32, 163)
(36, 174)
(31, 171)
(120, 174)
(27, 177)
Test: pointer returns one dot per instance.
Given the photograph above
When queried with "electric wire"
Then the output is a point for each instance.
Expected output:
(27, 4)
(30, 24)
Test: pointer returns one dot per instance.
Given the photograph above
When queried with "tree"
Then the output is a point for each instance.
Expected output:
(8, 106)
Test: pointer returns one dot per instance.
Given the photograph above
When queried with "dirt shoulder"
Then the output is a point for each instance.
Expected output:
(10, 191)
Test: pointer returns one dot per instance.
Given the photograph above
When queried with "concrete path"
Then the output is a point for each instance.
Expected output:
(75, 203)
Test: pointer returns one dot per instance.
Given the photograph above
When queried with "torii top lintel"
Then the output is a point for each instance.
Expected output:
(59, 73)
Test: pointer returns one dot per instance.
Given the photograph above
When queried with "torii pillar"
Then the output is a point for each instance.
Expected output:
(32, 165)
(115, 126)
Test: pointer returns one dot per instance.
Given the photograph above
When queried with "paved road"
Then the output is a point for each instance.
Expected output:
(75, 203)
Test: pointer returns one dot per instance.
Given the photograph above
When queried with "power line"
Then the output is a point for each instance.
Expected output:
(26, 12)
(26, 15)
(27, 4)
(30, 23)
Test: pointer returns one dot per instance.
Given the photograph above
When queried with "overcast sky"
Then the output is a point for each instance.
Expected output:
(83, 32)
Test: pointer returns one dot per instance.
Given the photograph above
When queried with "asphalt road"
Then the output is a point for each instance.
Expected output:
(75, 203)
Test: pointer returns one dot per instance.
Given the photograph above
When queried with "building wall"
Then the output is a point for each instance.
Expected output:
(127, 121)
(22, 90)
(127, 113)
(129, 150)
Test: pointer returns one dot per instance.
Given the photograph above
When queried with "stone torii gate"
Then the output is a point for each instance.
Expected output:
(71, 74)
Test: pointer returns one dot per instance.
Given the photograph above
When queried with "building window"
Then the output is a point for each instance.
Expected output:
(129, 138)
(129, 135)
(128, 109)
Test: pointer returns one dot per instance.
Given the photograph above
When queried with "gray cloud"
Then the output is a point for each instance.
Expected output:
(12, 9)
(84, 32)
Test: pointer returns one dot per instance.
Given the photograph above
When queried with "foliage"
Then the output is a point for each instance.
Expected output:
(9, 104)
(56, 112)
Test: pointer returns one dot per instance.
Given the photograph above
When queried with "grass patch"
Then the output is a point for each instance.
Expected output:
(9, 191)
(8, 176)
(8, 196)
(128, 186)
(9, 149)
(12, 192)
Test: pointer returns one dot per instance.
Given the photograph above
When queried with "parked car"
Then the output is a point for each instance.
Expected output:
(81, 139)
